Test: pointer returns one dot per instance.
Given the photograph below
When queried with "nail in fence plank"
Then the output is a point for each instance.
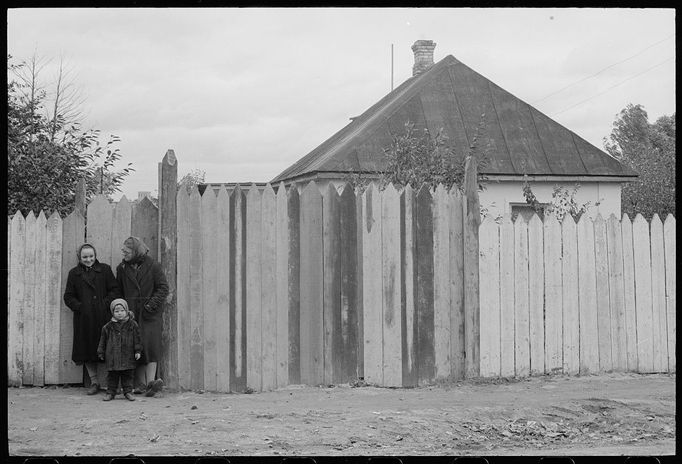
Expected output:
(15, 339)
(196, 291)
(603, 309)
(614, 242)
(311, 314)
(184, 292)
(521, 310)
(441, 284)
(553, 303)
(53, 297)
(587, 298)
(391, 315)
(348, 245)
(29, 309)
(407, 277)
(536, 295)
(455, 213)
(268, 290)
(331, 307)
(209, 267)
(424, 285)
(372, 286)
(669, 241)
(658, 296)
(294, 284)
(145, 225)
(100, 215)
(507, 346)
(629, 294)
(223, 291)
(238, 289)
(642, 255)
(253, 289)
(40, 297)
(489, 271)
(121, 229)
(282, 284)
(570, 289)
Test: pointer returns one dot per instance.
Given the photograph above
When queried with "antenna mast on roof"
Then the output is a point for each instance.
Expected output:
(391, 67)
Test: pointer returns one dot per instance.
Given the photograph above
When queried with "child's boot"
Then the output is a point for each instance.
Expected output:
(108, 397)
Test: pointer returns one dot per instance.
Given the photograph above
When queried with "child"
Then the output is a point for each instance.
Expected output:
(120, 347)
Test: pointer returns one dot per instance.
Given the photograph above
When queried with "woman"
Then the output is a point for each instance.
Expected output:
(90, 288)
(144, 288)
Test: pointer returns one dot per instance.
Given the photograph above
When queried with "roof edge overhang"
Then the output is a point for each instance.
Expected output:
(557, 178)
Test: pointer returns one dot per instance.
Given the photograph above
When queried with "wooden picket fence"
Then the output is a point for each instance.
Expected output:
(596, 296)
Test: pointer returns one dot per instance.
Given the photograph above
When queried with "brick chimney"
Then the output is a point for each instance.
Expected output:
(423, 56)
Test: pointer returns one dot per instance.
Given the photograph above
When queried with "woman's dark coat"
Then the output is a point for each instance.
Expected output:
(88, 294)
(145, 289)
(118, 344)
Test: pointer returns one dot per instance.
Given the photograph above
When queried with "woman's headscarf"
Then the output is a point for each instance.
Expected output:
(80, 248)
(140, 250)
(124, 303)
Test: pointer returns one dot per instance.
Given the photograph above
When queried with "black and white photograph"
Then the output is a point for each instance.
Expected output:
(341, 232)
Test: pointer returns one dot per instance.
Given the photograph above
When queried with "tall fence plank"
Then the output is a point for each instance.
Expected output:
(311, 317)
(121, 229)
(53, 297)
(100, 215)
(521, 310)
(372, 286)
(424, 285)
(507, 347)
(658, 309)
(223, 291)
(614, 241)
(253, 290)
(29, 309)
(455, 212)
(642, 255)
(391, 315)
(348, 245)
(441, 283)
(331, 282)
(629, 294)
(238, 289)
(294, 284)
(570, 301)
(553, 302)
(184, 294)
(601, 266)
(282, 287)
(489, 270)
(408, 279)
(209, 281)
(587, 298)
(15, 339)
(536, 296)
(268, 270)
(670, 288)
(145, 225)
(196, 300)
(40, 298)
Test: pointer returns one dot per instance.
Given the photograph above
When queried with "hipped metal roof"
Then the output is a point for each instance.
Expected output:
(520, 139)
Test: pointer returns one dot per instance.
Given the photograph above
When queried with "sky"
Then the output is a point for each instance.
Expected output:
(244, 93)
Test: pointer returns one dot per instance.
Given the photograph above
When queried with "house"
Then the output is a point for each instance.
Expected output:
(521, 141)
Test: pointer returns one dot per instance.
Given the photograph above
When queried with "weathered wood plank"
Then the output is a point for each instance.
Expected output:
(100, 215)
(223, 292)
(253, 290)
(629, 294)
(29, 308)
(15, 339)
(121, 229)
(521, 308)
(553, 303)
(184, 293)
(331, 307)
(658, 309)
(348, 245)
(40, 298)
(670, 249)
(359, 214)
(601, 266)
(372, 286)
(614, 242)
(472, 221)
(311, 317)
(643, 301)
(441, 284)
(489, 270)
(209, 265)
(424, 285)
(238, 289)
(294, 284)
(536, 295)
(282, 287)
(507, 345)
(268, 271)
(196, 291)
(570, 298)
(587, 298)
(145, 225)
(391, 315)
(408, 276)
(53, 297)
(73, 233)
(456, 234)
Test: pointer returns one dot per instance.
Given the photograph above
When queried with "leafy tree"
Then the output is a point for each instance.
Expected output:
(563, 202)
(649, 149)
(49, 153)
(192, 178)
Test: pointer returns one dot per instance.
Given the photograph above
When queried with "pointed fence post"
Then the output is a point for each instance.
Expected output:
(472, 219)
(167, 253)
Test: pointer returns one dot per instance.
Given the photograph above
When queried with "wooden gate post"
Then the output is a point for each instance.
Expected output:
(472, 219)
(167, 253)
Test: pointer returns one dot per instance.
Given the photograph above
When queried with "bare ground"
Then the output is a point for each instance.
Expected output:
(610, 414)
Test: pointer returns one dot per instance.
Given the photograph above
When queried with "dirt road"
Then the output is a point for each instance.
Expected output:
(615, 414)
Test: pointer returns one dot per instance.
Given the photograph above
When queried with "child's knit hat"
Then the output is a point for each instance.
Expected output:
(122, 302)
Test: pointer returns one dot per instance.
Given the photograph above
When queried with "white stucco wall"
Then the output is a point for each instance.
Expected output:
(498, 196)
